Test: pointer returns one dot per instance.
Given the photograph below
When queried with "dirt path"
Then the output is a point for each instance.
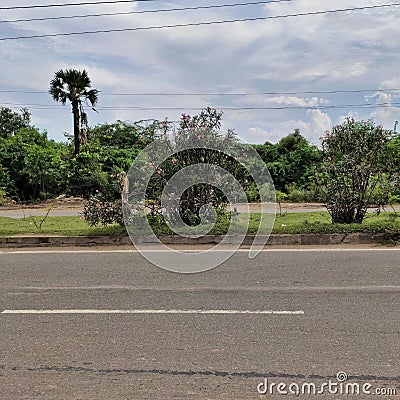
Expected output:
(73, 206)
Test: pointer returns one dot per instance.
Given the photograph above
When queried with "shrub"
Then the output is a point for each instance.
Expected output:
(358, 169)
(298, 195)
(196, 151)
(98, 210)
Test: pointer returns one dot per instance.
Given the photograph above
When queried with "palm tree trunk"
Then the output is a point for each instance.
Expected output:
(75, 112)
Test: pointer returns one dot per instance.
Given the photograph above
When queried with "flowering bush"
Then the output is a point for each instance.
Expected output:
(197, 141)
(99, 210)
(358, 170)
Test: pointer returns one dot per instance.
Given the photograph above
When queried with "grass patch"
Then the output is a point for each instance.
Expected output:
(289, 223)
(317, 222)
(68, 226)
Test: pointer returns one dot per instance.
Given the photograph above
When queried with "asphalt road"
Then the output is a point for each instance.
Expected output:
(334, 310)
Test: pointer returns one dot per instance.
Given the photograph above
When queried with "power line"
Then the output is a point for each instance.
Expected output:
(145, 11)
(222, 108)
(202, 23)
(252, 93)
(24, 91)
(87, 3)
(223, 94)
(318, 107)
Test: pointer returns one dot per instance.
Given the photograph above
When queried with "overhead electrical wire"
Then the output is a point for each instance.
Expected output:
(253, 93)
(86, 3)
(146, 11)
(222, 108)
(144, 28)
(338, 91)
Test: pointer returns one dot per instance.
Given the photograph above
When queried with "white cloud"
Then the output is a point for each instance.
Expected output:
(350, 114)
(319, 123)
(295, 101)
(311, 128)
(393, 83)
(342, 51)
(386, 113)
(257, 135)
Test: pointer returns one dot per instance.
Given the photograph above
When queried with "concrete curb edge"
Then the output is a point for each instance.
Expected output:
(276, 240)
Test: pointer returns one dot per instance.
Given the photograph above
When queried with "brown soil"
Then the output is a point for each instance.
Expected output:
(289, 206)
(62, 203)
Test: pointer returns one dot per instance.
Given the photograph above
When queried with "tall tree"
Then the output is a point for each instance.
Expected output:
(75, 86)
(11, 122)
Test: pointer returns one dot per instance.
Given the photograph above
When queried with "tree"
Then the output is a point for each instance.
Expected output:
(394, 154)
(11, 122)
(75, 86)
(290, 161)
(110, 150)
(192, 170)
(32, 166)
(193, 131)
(358, 169)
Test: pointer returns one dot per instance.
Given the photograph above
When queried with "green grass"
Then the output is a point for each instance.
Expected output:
(68, 226)
(290, 223)
(318, 222)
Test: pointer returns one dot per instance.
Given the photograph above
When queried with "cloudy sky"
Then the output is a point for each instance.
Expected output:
(269, 76)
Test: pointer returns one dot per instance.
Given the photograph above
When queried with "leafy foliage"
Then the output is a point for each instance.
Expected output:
(291, 162)
(195, 142)
(358, 169)
(74, 86)
(99, 210)
(11, 122)
(359, 164)
(32, 166)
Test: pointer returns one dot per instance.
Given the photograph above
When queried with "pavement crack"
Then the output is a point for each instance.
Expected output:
(214, 373)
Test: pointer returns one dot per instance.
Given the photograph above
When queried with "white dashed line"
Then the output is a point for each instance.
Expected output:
(256, 312)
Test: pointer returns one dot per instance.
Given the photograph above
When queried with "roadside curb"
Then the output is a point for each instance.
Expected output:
(275, 240)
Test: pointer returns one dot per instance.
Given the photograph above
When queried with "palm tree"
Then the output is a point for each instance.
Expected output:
(74, 85)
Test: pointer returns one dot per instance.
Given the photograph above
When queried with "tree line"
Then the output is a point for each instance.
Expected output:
(358, 162)
(34, 167)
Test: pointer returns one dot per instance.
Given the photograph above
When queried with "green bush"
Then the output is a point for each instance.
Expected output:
(2, 195)
(298, 195)
(32, 166)
(359, 169)
(253, 193)
(98, 210)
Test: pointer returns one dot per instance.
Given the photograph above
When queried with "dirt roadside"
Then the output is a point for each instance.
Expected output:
(61, 203)
(78, 202)
(73, 206)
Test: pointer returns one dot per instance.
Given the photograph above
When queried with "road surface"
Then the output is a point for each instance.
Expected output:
(108, 325)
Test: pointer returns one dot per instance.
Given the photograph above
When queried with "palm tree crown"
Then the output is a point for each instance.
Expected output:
(74, 86)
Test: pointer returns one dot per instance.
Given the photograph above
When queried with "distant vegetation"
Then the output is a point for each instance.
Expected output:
(32, 167)
(358, 163)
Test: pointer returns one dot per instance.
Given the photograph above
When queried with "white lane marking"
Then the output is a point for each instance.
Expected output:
(256, 312)
(289, 250)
